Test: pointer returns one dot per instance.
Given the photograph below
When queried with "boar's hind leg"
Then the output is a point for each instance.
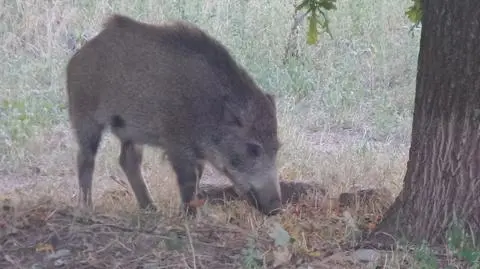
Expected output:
(187, 171)
(130, 160)
(88, 134)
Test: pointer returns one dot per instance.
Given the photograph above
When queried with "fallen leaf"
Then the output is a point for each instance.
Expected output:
(278, 233)
(59, 262)
(295, 230)
(281, 256)
(37, 266)
(366, 255)
(174, 241)
(61, 253)
(314, 254)
(42, 247)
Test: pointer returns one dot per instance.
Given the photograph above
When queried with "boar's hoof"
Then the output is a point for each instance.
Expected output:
(189, 210)
(271, 212)
(150, 208)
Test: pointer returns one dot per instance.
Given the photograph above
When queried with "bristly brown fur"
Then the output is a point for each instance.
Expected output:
(117, 20)
(172, 86)
(186, 35)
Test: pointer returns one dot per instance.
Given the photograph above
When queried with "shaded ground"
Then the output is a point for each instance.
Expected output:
(106, 242)
(49, 235)
(103, 242)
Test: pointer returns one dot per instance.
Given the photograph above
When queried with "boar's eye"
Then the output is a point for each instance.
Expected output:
(253, 149)
(235, 160)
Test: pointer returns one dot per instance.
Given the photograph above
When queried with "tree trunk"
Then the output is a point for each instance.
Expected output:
(442, 181)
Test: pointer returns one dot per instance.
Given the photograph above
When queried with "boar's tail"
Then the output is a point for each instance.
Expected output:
(117, 20)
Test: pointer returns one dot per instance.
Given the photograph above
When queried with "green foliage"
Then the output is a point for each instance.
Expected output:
(415, 12)
(355, 81)
(174, 241)
(462, 245)
(280, 235)
(20, 116)
(317, 16)
(252, 258)
(425, 257)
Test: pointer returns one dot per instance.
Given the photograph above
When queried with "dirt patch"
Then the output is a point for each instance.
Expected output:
(49, 234)
(106, 242)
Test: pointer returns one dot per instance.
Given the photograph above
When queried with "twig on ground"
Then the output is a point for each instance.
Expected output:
(191, 245)
(12, 261)
(96, 223)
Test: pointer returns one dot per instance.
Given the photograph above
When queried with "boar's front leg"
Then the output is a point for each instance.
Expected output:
(187, 171)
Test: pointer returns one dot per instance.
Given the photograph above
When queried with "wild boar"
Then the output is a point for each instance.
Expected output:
(174, 87)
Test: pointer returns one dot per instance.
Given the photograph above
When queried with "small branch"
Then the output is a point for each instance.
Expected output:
(191, 246)
(92, 223)
(298, 19)
(290, 41)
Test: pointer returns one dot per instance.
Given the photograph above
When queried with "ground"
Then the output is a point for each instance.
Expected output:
(224, 236)
(344, 110)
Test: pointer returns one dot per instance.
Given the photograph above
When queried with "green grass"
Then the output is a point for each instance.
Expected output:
(362, 79)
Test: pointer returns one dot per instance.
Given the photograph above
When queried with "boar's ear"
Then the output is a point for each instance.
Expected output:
(231, 113)
(271, 97)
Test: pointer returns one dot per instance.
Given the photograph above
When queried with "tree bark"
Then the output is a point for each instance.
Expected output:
(442, 181)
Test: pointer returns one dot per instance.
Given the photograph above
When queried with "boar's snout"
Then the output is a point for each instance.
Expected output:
(268, 203)
(266, 197)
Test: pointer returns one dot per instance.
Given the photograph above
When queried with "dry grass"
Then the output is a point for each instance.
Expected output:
(46, 232)
(115, 237)
(344, 110)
